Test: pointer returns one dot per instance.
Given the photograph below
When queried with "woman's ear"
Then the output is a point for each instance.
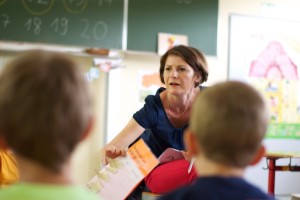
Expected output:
(259, 154)
(199, 76)
(190, 142)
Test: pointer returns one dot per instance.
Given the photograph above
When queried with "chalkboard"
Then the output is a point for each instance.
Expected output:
(90, 23)
(195, 18)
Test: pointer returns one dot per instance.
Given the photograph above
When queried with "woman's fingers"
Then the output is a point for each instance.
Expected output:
(104, 160)
(111, 152)
(123, 152)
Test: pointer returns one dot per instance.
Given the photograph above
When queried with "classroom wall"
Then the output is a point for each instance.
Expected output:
(86, 158)
(123, 98)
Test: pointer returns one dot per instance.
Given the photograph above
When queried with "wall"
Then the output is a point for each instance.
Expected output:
(123, 86)
(86, 158)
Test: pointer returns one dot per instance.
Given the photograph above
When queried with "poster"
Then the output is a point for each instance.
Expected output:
(167, 40)
(148, 83)
(266, 53)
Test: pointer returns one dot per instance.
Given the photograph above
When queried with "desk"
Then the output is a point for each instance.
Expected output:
(272, 167)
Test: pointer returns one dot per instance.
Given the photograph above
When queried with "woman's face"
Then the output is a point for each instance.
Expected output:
(179, 76)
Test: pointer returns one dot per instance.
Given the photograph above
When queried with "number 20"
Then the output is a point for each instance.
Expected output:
(99, 30)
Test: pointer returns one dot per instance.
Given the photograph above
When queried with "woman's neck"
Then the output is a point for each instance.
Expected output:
(178, 107)
(180, 104)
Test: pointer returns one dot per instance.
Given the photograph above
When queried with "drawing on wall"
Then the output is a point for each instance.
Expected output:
(273, 63)
(266, 53)
(149, 82)
(167, 40)
(106, 64)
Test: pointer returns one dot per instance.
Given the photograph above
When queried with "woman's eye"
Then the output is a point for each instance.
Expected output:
(167, 68)
(182, 69)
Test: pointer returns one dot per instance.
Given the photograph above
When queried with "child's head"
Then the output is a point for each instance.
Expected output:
(229, 121)
(45, 107)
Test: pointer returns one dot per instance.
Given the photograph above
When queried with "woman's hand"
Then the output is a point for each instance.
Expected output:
(111, 152)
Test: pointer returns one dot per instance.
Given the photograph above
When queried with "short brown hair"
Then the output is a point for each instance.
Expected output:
(229, 120)
(190, 55)
(45, 107)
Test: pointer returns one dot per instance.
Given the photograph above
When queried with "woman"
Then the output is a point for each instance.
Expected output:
(164, 117)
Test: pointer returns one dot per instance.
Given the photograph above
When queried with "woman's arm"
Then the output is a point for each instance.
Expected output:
(117, 147)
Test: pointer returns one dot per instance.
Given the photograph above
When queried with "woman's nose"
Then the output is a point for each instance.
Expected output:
(174, 73)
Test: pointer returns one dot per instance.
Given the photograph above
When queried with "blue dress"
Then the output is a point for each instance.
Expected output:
(160, 133)
(218, 188)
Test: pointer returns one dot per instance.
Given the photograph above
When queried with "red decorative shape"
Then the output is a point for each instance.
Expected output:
(274, 63)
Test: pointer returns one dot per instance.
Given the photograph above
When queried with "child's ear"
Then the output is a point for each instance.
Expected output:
(88, 128)
(190, 142)
(259, 154)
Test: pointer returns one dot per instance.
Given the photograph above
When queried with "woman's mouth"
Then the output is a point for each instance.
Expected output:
(173, 84)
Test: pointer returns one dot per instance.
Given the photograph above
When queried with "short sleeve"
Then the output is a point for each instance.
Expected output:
(148, 115)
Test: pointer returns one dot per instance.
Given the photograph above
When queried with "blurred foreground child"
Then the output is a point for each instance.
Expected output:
(45, 111)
